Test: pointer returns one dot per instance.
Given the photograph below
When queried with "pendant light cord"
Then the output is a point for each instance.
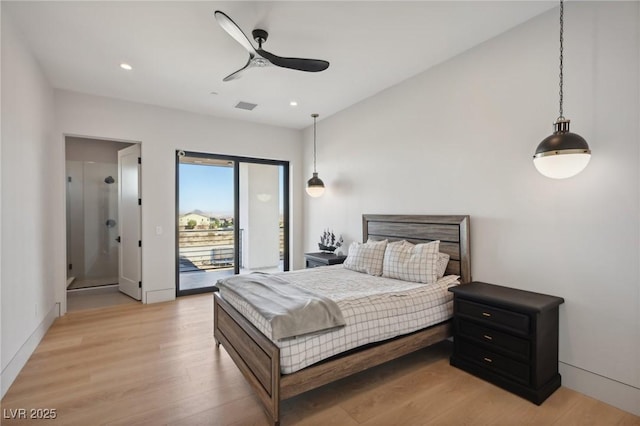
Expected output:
(561, 57)
(315, 116)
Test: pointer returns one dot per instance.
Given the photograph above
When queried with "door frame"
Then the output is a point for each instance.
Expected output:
(61, 295)
(236, 210)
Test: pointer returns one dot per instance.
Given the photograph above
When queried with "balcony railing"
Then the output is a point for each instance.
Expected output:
(205, 249)
(210, 249)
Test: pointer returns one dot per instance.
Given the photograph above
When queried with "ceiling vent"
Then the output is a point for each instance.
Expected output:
(246, 105)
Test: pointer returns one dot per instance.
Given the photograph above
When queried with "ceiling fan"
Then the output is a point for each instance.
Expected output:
(262, 58)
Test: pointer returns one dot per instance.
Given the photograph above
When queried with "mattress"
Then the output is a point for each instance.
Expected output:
(374, 309)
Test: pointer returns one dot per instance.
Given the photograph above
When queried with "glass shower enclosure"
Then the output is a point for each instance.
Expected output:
(92, 229)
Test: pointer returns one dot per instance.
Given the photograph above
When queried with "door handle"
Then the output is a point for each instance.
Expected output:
(118, 239)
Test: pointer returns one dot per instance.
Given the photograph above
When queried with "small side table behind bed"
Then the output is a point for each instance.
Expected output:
(313, 260)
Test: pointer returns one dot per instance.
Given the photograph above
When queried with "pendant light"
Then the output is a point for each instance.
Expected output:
(563, 154)
(315, 186)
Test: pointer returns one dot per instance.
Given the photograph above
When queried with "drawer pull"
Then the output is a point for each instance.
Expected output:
(488, 359)
(488, 337)
(486, 314)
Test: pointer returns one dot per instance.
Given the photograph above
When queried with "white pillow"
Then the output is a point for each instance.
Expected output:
(449, 281)
(408, 262)
(366, 257)
(441, 264)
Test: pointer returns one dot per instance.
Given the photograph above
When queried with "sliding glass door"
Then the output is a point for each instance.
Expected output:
(261, 220)
(232, 218)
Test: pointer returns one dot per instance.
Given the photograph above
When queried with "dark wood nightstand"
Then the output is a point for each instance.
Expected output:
(508, 337)
(313, 260)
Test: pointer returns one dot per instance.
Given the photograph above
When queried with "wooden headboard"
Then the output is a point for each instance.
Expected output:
(452, 231)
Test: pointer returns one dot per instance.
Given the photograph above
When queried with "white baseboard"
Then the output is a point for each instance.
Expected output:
(618, 394)
(13, 368)
(160, 296)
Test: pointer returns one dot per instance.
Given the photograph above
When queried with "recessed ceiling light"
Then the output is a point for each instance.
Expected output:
(293, 103)
(125, 66)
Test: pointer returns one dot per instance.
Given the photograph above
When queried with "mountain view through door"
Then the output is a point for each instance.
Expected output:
(230, 218)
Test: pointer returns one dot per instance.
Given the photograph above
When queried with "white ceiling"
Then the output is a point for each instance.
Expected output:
(180, 54)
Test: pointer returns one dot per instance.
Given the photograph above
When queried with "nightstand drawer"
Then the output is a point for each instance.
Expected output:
(494, 316)
(313, 264)
(500, 364)
(512, 345)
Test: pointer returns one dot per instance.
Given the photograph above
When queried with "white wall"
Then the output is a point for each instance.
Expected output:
(459, 139)
(161, 132)
(1, 138)
(30, 210)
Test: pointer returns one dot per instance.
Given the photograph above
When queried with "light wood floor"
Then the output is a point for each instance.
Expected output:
(157, 364)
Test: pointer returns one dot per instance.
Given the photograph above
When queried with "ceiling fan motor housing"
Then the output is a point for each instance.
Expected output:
(260, 36)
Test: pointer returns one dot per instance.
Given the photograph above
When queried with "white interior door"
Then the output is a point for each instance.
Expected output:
(130, 257)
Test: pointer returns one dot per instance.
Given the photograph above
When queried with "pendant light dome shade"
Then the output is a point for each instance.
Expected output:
(315, 186)
(563, 154)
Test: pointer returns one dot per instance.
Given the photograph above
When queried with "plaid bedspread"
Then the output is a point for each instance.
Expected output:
(374, 309)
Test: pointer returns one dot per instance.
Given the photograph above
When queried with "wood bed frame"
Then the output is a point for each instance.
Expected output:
(258, 358)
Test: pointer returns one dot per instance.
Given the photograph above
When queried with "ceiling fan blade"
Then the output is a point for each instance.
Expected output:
(300, 64)
(238, 74)
(234, 31)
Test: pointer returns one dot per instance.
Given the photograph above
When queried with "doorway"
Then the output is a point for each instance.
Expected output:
(92, 222)
(232, 218)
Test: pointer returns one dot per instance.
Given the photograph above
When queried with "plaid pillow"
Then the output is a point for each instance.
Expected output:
(409, 262)
(441, 264)
(366, 257)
